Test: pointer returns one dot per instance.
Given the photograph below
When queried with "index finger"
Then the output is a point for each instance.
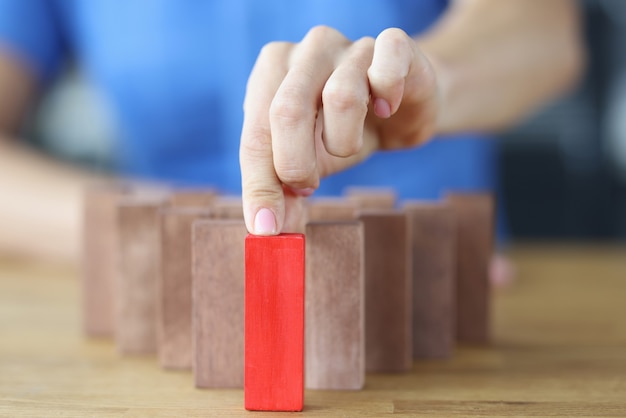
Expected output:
(262, 193)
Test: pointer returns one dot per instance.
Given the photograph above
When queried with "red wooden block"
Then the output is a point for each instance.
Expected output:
(274, 323)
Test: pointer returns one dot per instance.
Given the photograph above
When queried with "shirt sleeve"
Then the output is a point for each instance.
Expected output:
(31, 30)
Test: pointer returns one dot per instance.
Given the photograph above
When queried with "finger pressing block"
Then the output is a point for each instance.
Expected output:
(274, 323)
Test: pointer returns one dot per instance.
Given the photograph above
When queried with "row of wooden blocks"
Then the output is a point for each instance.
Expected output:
(164, 273)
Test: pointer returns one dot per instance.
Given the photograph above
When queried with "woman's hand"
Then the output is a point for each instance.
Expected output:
(323, 105)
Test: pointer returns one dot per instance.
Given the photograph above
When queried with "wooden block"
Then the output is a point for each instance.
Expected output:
(174, 307)
(475, 230)
(218, 303)
(331, 209)
(99, 267)
(228, 207)
(137, 284)
(274, 323)
(372, 197)
(433, 236)
(335, 306)
(144, 191)
(388, 308)
(201, 198)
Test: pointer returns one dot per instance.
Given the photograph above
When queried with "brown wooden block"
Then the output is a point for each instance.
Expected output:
(388, 307)
(475, 230)
(335, 303)
(433, 236)
(174, 313)
(372, 197)
(218, 303)
(99, 269)
(137, 284)
(331, 209)
(228, 207)
(202, 198)
(144, 191)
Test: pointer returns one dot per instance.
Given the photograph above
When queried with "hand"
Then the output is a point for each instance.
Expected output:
(323, 105)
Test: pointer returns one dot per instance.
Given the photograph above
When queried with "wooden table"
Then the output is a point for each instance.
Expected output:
(559, 350)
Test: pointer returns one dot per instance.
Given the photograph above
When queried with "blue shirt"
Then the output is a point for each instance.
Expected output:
(175, 73)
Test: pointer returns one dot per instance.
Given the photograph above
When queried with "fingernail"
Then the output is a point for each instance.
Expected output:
(264, 222)
(382, 108)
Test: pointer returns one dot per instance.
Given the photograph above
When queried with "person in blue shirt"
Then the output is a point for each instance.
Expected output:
(360, 92)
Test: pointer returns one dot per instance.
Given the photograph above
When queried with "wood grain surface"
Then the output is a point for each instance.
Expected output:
(388, 295)
(218, 297)
(174, 304)
(433, 256)
(274, 323)
(558, 350)
(137, 282)
(192, 198)
(331, 209)
(474, 215)
(227, 207)
(99, 258)
(372, 197)
(335, 306)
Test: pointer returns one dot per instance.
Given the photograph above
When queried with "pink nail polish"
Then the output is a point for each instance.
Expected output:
(304, 192)
(264, 222)
(382, 108)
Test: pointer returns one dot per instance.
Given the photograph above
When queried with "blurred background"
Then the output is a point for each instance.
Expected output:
(562, 172)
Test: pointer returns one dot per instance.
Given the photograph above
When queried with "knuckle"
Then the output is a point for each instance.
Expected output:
(288, 108)
(384, 77)
(364, 46)
(273, 49)
(257, 142)
(342, 99)
(322, 33)
(396, 38)
(273, 56)
(260, 187)
(365, 42)
(257, 190)
(344, 148)
(295, 174)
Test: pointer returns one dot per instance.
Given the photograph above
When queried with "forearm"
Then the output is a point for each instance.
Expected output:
(498, 60)
(40, 205)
